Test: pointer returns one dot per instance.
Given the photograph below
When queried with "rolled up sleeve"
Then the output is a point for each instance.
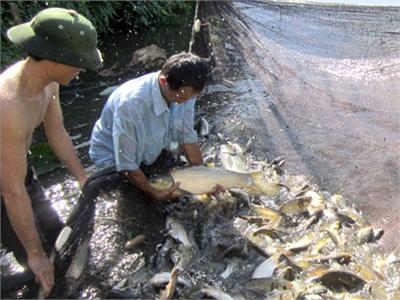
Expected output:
(189, 135)
(127, 131)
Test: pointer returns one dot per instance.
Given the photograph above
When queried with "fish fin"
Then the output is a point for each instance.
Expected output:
(262, 185)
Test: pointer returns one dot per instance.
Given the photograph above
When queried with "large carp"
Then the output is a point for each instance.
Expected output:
(201, 179)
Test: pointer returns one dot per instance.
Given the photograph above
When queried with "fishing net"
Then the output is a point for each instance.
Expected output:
(331, 74)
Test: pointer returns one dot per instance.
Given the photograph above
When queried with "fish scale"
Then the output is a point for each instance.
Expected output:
(201, 179)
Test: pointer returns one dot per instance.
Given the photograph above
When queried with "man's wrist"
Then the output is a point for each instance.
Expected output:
(82, 179)
(151, 191)
(35, 252)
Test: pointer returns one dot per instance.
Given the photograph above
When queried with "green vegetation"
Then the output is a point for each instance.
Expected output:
(42, 158)
(107, 16)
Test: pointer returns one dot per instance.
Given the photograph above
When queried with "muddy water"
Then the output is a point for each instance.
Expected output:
(331, 106)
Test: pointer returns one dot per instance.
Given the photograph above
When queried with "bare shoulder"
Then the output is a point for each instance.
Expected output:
(13, 125)
(52, 94)
(14, 132)
(54, 89)
(9, 82)
(8, 93)
(13, 119)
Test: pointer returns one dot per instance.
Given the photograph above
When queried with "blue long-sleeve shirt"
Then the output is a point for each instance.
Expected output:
(136, 124)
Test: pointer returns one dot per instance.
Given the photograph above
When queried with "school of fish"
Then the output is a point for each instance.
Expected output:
(287, 240)
(270, 236)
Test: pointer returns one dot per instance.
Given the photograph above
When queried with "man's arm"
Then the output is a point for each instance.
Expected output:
(188, 139)
(193, 153)
(60, 140)
(138, 179)
(18, 205)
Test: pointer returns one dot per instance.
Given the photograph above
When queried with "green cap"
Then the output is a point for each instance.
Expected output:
(59, 35)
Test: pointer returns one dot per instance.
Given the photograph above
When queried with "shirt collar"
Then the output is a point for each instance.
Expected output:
(159, 104)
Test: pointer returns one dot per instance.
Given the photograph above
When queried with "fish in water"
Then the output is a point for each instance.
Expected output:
(231, 159)
(201, 179)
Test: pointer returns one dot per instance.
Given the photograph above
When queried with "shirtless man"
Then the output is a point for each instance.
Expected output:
(60, 43)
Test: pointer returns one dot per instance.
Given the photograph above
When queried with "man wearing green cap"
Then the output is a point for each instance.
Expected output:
(60, 43)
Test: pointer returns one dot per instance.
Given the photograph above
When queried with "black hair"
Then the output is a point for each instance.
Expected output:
(186, 69)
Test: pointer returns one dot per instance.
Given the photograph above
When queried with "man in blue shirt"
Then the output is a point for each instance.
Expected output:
(145, 115)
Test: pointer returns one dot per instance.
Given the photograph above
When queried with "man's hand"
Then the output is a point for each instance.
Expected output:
(166, 194)
(43, 269)
(193, 154)
(82, 181)
(138, 178)
(217, 190)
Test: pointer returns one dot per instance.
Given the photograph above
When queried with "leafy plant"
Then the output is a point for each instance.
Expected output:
(107, 16)
(43, 158)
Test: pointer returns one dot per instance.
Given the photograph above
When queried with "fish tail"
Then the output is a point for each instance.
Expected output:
(258, 180)
(262, 185)
(257, 177)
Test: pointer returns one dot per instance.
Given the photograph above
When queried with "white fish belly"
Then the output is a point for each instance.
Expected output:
(201, 180)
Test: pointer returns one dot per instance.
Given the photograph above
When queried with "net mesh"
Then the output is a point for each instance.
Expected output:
(332, 75)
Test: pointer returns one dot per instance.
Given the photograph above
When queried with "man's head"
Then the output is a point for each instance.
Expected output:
(183, 76)
(59, 35)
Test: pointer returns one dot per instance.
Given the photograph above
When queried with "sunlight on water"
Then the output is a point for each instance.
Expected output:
(8, 263)
(63, 197)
